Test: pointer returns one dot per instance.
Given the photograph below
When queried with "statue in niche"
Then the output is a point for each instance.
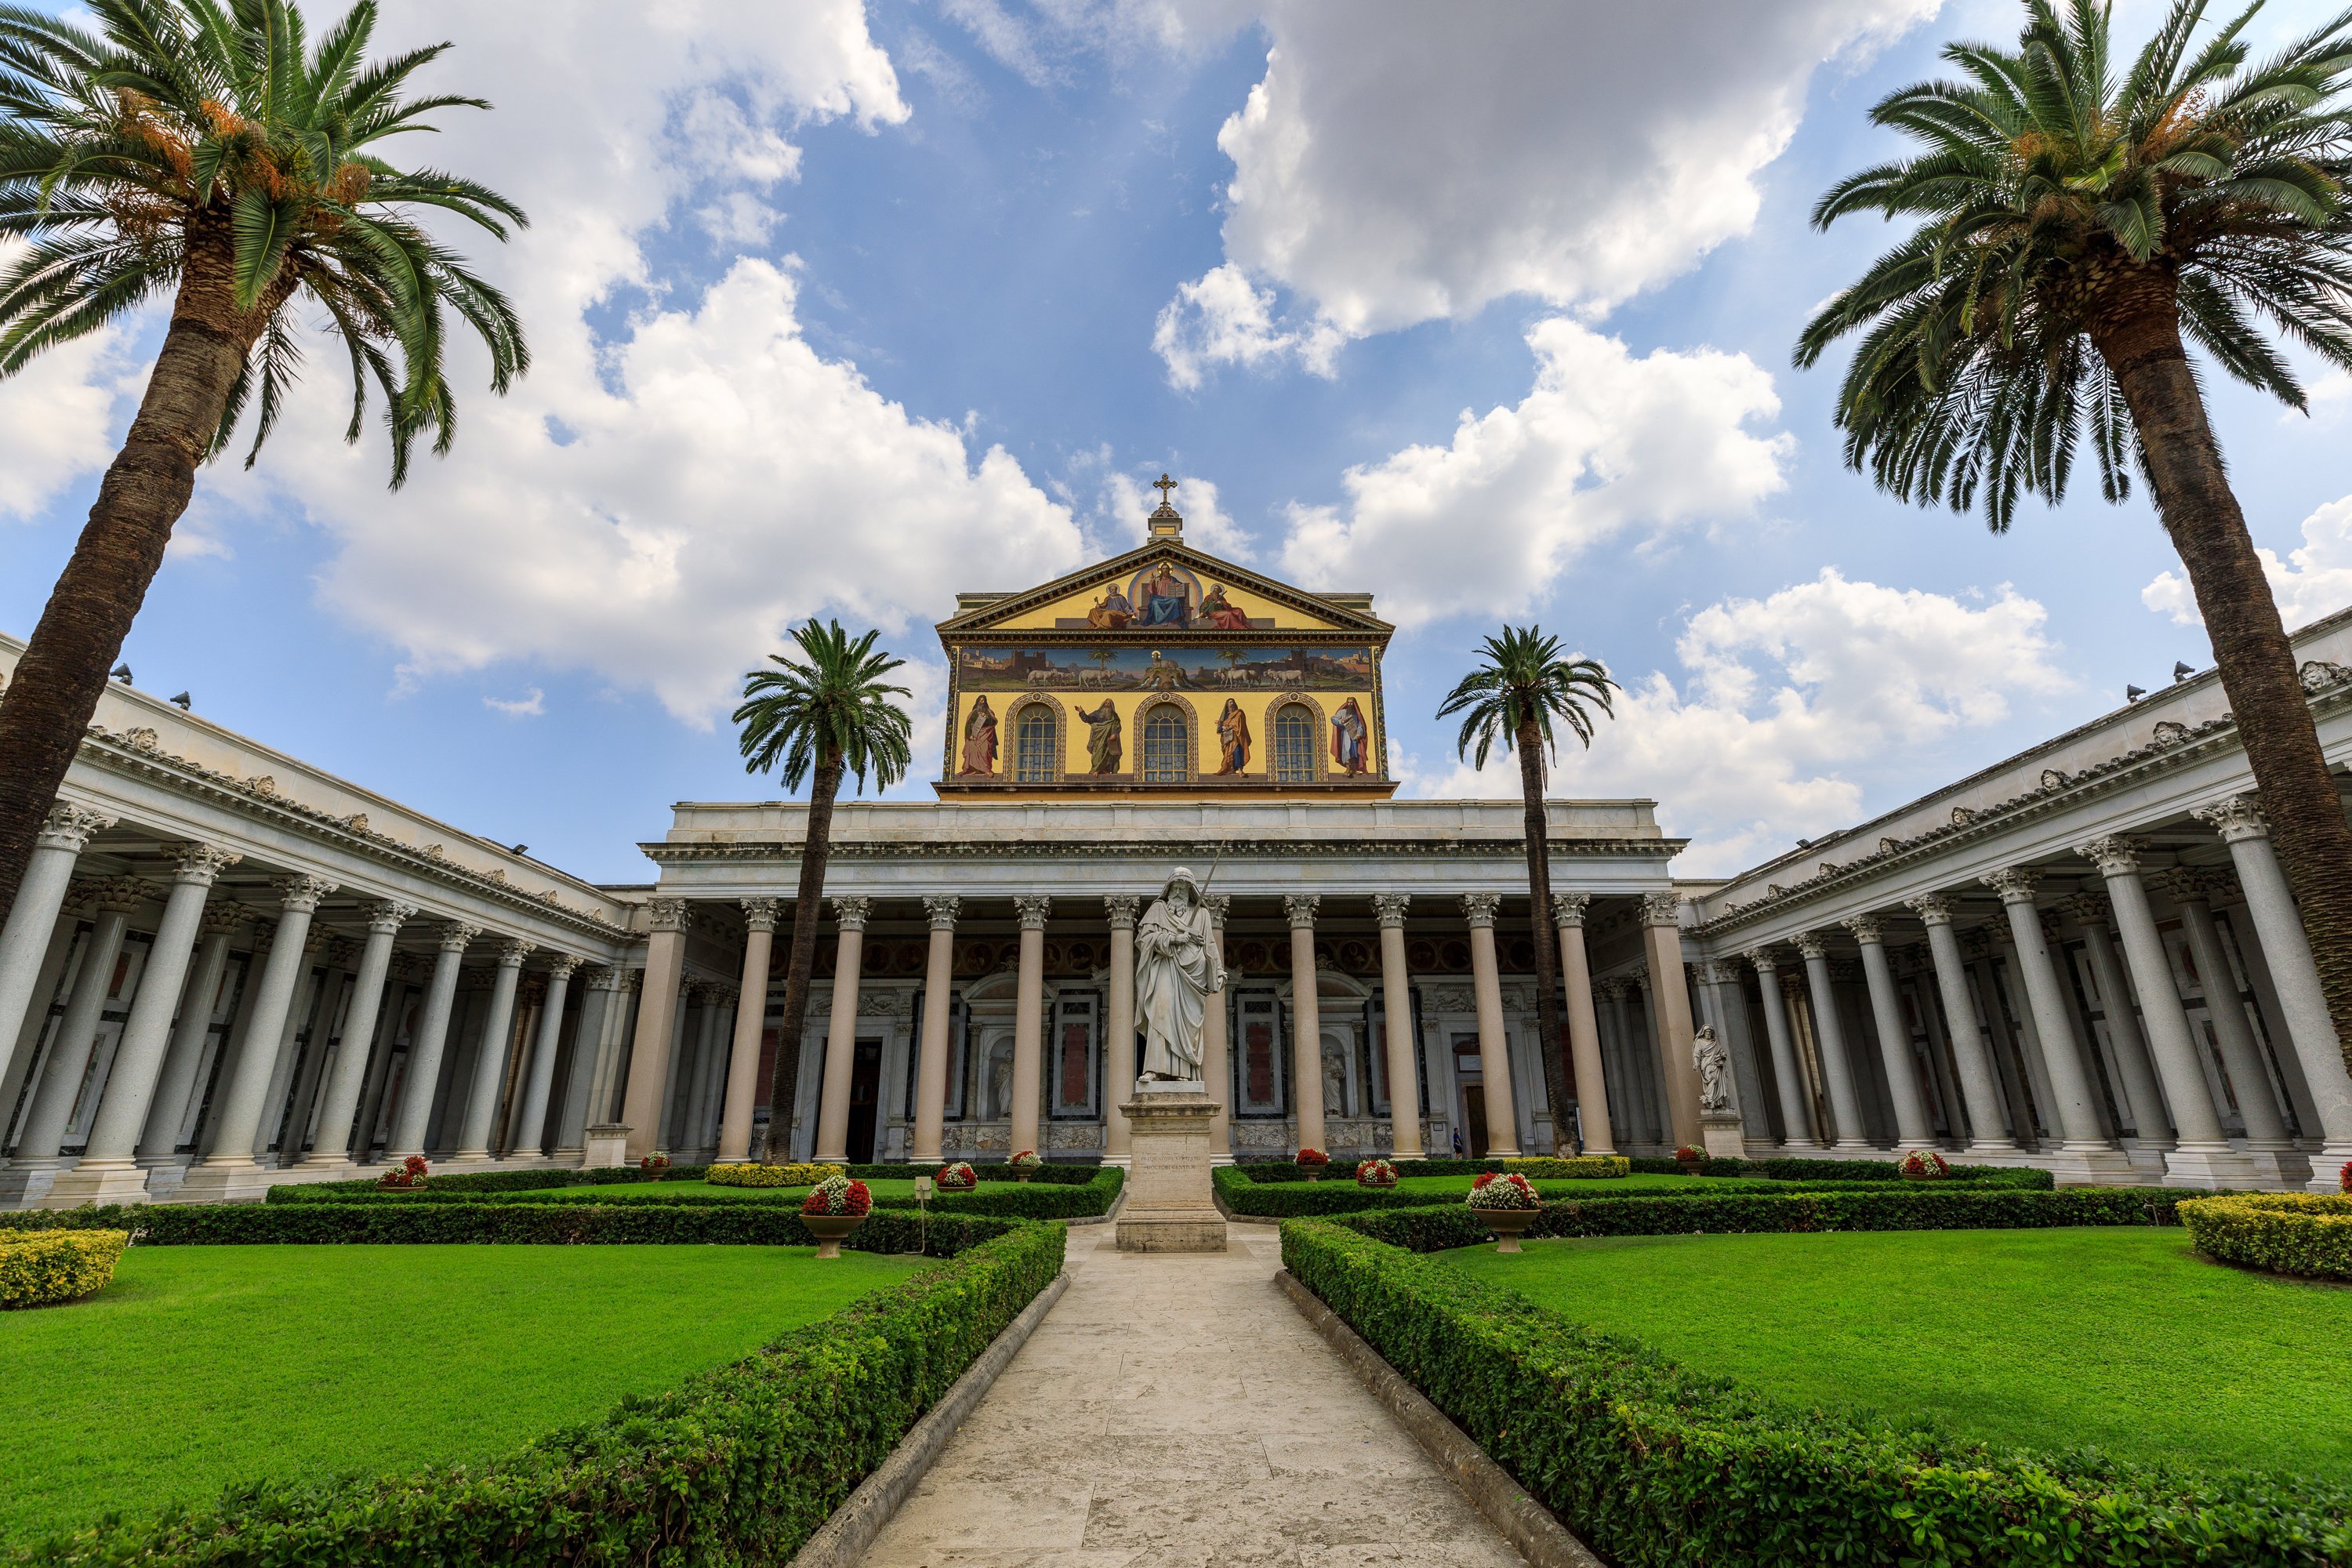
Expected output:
(1104, 748)
(1177, 970)
(1351, 740)
(980, 739)
(1000, 1082)
(1232, 739)
(1714, 1068)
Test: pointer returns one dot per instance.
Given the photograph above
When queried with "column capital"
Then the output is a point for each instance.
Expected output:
(603, 977)
(1719, 972)
(1568, 909)
(2090, 909)
(2238, 817)
(667, 914)
(1867, 929)
(759, 914)
(222, 919)
(1812, 944)
(1608, 990)
(1933, 909)
(1299, 910)
(2014, 885)
(562, 964)
(1388, 908)
(338, 951)
(300, 892)
(851, 914)
(1480, 909)
(69, 827)
(943, 909)
(1664, 908)
(1032, 910)
(387, 915)
(1121, 908)
(2196, 885)
(2115, 853)
(456, 934)
(1765, 961)
(199, 865)
(1218, 906)
(513, 950)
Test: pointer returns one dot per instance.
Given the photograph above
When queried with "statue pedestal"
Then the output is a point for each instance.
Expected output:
(1721, 1135)
(1170, 1206)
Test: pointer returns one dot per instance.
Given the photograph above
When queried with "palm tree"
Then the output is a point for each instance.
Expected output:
(203, 150)
(2077, 229)
(1512, 700)
(828, 716)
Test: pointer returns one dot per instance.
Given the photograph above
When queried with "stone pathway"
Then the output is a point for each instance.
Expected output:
(1177, 1410)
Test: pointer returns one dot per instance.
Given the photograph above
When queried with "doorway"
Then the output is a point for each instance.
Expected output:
(1474, 1119)
(864, 1092)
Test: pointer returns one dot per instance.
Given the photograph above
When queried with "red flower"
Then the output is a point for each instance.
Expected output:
(2343, 1176)
(1481, 1179)
(1313, 1157)
(860, 1200)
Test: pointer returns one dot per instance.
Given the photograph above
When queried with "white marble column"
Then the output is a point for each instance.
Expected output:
(39, 1147)
(597, 1007)
(159, 1143)
(1726, 1002)
(109, 1172)
(1029, 1025)
(938, 1008)
(490, 1060)
(231, 1171)
(1915, 1128)
(422, 1077)
(647, 1094)
(2266, 1135)
(2083, 1152)
(1493, 1042)
(531, 1127)
(1828, 1036)
(750, 1018)
(341, 1107)
(1662, 947)
(33, 919)
(718, 1058)
(2278, 927)
(1396, 1010)
(1118, 1042)
(1788, 1074)
(1971, 1053)
(2152, 1127)
(1216, 1049)
(1306, 1023)
(1583, 1025)
(849, 916)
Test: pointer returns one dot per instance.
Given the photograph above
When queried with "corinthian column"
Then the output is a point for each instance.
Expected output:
(430, 1042)
(349, 1076)
(2279, 928)
(650, 1057)
(160, 1143)
(1911, 1122)
(841, 1031)
(1396, 1010)
(1119, 1050)
(1029, 1024)
(1788, 1076)
(939, 1003)
(490, 1060)
(751, 1017)
(531, 1126)
(1829, 1034)
(40, 898)
(2097, 916)
(1583, 1025)
(1494, 1043)
(1661, 945)
(1980, 1090)
(2083, 1152)
(1306, 1022)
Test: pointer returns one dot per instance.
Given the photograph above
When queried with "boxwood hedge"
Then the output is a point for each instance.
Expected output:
(737, 1465)
(1059, 1198)
(1657, 1466)
(1244, 1193)
(43, 1267)
(2289, 1233)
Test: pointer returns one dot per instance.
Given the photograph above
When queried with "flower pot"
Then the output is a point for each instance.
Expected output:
(1312, 1175)
(1507, 1225)
(1690, 1167)
(1020, 1175)
(829, 1229)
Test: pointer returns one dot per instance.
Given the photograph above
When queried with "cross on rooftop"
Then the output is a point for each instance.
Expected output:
(1163, 484)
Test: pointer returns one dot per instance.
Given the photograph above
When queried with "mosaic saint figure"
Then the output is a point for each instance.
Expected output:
(1220, 613)
(978, 741)
(1351, 738)
(1111, 611)
(1177, 970)
(1104, 748)
(1232, 738)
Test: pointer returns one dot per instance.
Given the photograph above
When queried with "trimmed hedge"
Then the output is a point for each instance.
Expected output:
(512, 1223)
(42, 1268)
(1033, 1200)
(802, 1174)
(1571, 1168)
(1658, 1466)
(2289, 1233)
(1245, 1195)
(1921, 1206)
(740, 1464)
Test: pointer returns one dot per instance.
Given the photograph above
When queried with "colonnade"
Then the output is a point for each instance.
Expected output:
(2160, 1068)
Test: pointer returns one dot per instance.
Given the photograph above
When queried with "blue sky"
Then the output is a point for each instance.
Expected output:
(841, 309)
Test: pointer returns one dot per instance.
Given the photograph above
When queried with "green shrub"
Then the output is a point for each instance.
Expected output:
(1055, 1199)
(1657, 1466)
(740, 1464)
(1244, 1193)
(2288, 1232)
(42, 1268)
(1575, 1168)
(801, 1174)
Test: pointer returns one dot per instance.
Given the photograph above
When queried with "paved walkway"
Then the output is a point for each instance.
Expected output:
(1175, 1410)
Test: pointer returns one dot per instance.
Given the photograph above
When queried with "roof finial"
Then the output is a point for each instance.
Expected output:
(1163, 484)
(1166, 522)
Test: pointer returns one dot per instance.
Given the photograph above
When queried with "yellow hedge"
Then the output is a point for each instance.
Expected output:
(2288, 1232)
(800, 1175)
(1578, 1167)
(41, 1267)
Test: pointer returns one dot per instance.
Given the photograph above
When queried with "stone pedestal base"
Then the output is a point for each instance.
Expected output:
(2209, 1165)
(225, 1179)
(97, 1182)
(1720, 1134)
(607, 1145)
(1170, 1206)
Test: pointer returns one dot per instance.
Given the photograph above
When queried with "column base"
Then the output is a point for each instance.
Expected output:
(1802, 1149)
(2084, 1164)
(2282, 1168)
(97, 1182)
(227, 1179)
(1994, 1154)
(23, 1182)
(2210, 1165)
(1856, 1148)
(1122, 1162)
(2327, 1164)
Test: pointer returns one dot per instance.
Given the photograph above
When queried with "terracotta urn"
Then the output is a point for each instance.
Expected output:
(829, 1229)
(1507, 1225)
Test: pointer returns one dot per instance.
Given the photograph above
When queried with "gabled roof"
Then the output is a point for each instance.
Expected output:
(1345, 612)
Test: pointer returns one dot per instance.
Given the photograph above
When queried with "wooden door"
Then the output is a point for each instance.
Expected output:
(1474, 1119)
(865, 1090)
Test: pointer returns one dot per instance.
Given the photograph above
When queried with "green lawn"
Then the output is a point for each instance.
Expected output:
(2122, 1339)
(203, 1365)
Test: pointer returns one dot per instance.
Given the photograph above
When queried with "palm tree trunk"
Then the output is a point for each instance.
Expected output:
(1559, 1074)
(784, 1082)
(2251, 649)
(47, 706)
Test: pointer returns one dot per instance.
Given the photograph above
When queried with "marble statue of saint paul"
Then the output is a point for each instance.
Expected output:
(1178, 969)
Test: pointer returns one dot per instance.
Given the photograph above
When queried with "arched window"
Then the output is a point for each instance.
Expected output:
(1294, 744)
(1167, 743)
(1034, 761)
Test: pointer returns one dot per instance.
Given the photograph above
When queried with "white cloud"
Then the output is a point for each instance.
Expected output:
(1221, 318)
(1604, 442)
(57, 418)
(1789, 706)
(529, 706)
(2313, 581)
(1402, 161)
